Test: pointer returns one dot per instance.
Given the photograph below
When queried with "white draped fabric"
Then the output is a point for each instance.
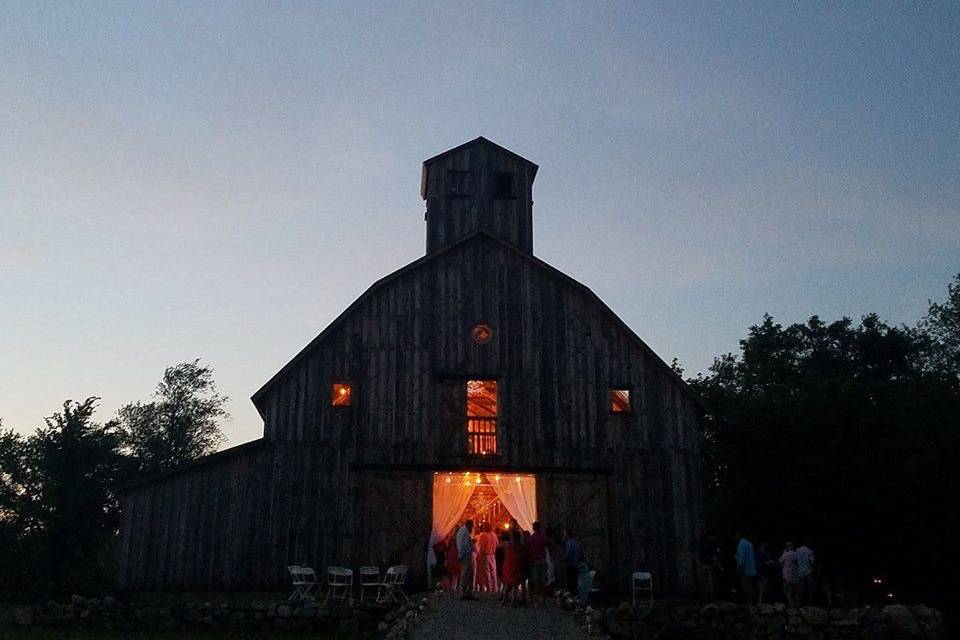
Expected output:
(519, 495)
(451, 493)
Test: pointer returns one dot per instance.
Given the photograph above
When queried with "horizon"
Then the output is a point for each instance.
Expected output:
(222, 182)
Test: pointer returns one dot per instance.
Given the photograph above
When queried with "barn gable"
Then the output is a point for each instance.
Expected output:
(412, 329)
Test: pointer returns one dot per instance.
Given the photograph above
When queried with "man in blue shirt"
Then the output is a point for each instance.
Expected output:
(746, 568)
(572, 557)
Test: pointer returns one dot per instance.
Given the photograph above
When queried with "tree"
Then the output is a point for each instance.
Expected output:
(942, 326)
(58, 507)
(180, 424)
(842, 432)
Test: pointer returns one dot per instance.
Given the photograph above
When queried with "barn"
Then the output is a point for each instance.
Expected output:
(477, 381)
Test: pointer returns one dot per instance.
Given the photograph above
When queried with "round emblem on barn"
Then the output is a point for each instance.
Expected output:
(482, 333)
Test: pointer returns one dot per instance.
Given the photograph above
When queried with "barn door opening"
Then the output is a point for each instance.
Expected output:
(491, 498)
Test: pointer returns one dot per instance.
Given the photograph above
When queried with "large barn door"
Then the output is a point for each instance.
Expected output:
(578, 502)
(396, 511)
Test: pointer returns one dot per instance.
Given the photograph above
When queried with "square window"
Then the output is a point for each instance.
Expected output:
(457, 183)
(502, 184)
(620, 401)
(340, 396)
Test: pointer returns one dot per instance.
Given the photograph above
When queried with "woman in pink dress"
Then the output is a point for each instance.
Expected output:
(487, 559)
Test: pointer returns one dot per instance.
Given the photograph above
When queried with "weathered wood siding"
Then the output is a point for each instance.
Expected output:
(453, 217)
(238, 521)
(556, 353)
(351, 485)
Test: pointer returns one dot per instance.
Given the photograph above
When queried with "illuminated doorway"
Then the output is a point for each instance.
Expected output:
(488, 496)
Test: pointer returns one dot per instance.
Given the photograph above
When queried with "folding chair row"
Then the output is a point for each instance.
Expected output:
(340, 583)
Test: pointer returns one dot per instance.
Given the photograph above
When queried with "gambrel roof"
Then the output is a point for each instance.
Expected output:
(478, 236)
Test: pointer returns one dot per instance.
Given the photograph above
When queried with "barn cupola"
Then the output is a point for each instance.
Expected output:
(478, 186)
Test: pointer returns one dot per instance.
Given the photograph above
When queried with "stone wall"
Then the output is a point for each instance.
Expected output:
(110, 613)
(731, 621)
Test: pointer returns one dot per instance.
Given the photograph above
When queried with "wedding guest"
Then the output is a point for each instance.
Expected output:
(746, 568)
(572, 557)
(486, 559)
(805, 562)
(512, 574)
(538, 563)
(465, 552)
(791, 580)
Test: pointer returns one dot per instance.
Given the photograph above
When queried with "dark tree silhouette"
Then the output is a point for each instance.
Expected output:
(180, 424)
(847, 433)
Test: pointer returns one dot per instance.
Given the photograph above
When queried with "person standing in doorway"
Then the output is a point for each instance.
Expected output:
(746, 569)
(805, 562)
(572, 557)
(465, 553)
(486, 559)
(538, 563)
(512, 574)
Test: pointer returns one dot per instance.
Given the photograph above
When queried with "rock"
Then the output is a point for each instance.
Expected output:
(728, 607)
(814, 616)
(109, 601)
(284, 611)
(710, 610)
(75, 599)
(779, 606)
(383, 626)
(348, 625)
(901, 621)
(927, 618)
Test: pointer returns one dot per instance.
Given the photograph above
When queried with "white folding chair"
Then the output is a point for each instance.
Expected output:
(369, 578)
(296, 576)
(304, 581)
(642, 583)
(400, 582)
(392, 584)
(339, 583)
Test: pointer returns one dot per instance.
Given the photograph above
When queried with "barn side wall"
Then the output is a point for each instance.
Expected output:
(237, 521)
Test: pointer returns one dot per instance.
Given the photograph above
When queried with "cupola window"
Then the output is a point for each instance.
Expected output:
(502, 184)
(457, 183)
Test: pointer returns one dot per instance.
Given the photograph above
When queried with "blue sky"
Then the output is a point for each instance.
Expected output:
(221, 180)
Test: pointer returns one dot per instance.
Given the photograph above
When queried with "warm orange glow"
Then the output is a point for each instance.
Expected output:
(341, 394)
(506, 525)
(620, 401)
(482, 411)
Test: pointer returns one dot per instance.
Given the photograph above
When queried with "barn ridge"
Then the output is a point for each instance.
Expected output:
(450, 248)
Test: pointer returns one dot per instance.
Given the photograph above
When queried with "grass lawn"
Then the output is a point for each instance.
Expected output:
(8, 633)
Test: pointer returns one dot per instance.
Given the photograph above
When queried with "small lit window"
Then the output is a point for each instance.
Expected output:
(502, 184)
(620, 401)
(457, 183)
(341, 394)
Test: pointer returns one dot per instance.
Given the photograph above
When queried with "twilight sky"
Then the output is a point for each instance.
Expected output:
(222, 180)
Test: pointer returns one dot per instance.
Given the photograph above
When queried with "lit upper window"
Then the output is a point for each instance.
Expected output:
(482, 412)
(340, 396)
(620, 401)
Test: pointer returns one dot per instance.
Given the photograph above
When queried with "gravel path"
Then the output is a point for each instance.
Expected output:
(486, 619)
